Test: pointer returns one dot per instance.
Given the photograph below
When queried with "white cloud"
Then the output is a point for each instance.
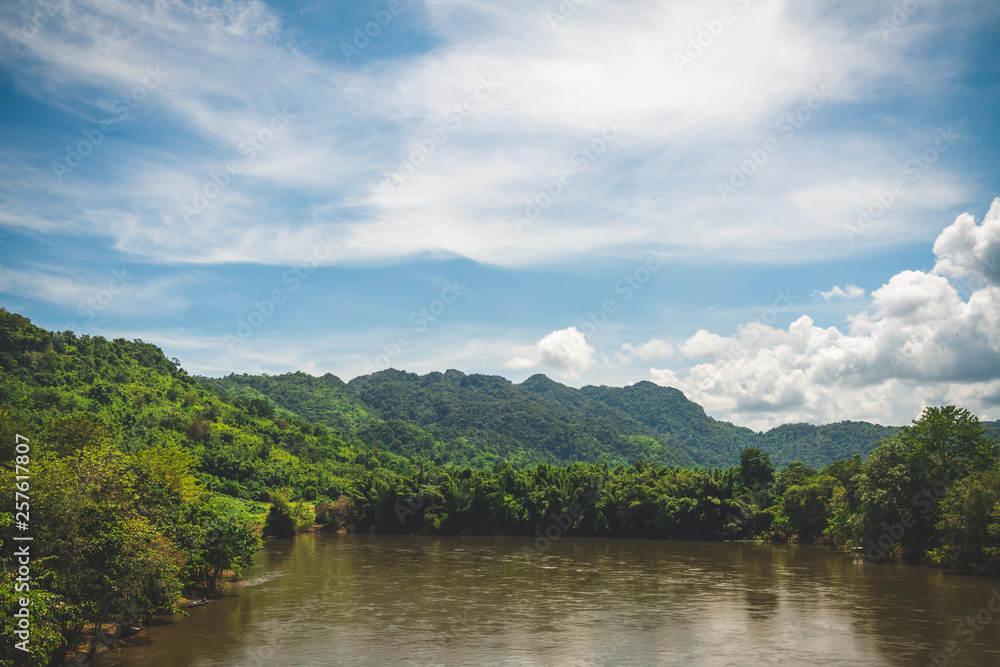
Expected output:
(847, 292)
(520, 363)
(564, 350)
(968, 250)
(231, 65)
(704, 344)
(923, 344)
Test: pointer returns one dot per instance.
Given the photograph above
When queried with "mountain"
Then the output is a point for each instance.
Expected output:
(469, 419)
(664, 411)
(242, 429)
(479, 419)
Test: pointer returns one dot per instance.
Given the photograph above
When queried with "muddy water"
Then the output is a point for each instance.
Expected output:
(408, 600)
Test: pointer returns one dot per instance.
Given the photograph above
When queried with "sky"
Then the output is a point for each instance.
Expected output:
(787, 210)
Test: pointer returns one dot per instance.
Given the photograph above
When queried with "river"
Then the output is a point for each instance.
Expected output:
(411, 600)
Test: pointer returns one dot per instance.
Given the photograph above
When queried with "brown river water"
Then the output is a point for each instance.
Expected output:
(411, 600)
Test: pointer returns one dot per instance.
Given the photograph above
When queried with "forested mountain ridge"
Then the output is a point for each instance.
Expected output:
(481, 418)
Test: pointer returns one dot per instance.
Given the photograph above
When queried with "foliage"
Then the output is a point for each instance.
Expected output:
(756, 469)
(970, 522)
(285, 518)
(480, 420)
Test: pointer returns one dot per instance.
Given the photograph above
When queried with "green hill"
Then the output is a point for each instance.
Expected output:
(242, 444)
(479, 419)
(457, 418)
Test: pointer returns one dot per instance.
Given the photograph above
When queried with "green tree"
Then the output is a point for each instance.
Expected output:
(890, 495)
(970, 523)
(285, 518)
(950, 436)
(229, 544)
(67, 435)
(807, 506)
(794, 474)
(756, 469)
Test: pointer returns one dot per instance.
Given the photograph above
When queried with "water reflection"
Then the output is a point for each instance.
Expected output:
(405, 600)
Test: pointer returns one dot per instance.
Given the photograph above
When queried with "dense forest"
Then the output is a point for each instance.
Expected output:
(147, 484)
(479, 420)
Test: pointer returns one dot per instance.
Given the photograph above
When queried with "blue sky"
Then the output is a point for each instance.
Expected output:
(785, 209)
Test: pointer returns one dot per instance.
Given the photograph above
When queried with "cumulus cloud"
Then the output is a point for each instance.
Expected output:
(968, 250)
(704, 345)
(849, 291)
(520, 363)
(922, 344)
(565, 350)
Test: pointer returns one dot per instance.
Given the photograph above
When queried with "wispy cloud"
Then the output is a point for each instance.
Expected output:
(229, 67)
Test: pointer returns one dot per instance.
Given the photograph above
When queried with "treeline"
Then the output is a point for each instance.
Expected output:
(479, 420)
(930, 494)
(146, 484)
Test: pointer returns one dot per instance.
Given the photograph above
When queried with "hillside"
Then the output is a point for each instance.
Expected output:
(64, 389)
(480, 418)
(457, 418)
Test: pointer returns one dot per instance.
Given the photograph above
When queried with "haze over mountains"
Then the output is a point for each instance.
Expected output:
(481, 418)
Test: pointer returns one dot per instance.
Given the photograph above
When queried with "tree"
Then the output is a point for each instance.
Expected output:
(108, 558)
(807, 506)
(891, 494)
(952, 437)
(970, 522)
(229, 544)
(796, 473)
(756, 469)
(68, 435)
(285, 518)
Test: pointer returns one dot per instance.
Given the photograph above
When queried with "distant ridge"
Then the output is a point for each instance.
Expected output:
(480, 418)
